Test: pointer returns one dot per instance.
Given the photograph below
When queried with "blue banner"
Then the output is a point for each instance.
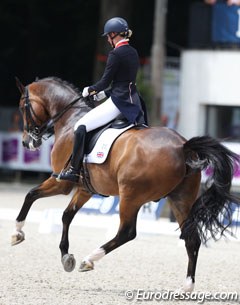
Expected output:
(110, 205)
(225, 23)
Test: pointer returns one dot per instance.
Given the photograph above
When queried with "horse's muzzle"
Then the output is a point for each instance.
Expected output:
(30, 143)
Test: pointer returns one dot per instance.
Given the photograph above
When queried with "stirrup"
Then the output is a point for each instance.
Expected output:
(71, 174)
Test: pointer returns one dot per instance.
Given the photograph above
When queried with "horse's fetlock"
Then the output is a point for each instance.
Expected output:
(132, 234)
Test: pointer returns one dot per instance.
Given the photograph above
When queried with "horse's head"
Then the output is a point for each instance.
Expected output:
(35, 115)
(44, 103)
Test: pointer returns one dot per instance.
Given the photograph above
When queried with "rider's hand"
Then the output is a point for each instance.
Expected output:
(99, 96)
(85, 92)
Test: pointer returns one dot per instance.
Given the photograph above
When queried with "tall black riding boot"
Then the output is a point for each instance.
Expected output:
(72, 173)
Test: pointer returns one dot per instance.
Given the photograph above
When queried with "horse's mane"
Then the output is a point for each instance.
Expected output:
(61, 82)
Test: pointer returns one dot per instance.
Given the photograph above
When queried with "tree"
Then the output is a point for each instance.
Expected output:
(109, 9)
(157, 59)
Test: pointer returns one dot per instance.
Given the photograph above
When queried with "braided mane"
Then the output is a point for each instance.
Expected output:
(63, 83)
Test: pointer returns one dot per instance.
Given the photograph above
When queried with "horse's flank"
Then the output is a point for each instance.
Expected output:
(140, 159)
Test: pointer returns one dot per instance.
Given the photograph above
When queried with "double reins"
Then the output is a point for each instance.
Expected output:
(34, 130)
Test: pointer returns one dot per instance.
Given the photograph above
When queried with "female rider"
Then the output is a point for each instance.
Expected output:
(120, 72)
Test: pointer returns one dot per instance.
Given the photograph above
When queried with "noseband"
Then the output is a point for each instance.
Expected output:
(46, 130)
(35, 131)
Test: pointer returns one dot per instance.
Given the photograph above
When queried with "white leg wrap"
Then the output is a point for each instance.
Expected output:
(96, 255)
(18, 235)
(189, 285)
(19, 225)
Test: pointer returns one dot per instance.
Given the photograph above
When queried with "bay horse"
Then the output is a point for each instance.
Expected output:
(145, 164)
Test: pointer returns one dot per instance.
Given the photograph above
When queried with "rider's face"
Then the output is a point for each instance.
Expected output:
(108, 38)
(111, 37)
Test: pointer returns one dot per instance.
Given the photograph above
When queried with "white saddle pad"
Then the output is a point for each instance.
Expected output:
(101, 149)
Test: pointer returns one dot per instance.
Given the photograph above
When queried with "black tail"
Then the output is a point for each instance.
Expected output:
(205, 215)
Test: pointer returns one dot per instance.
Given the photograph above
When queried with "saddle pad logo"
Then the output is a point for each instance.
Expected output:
(101, 150)
(100, 154)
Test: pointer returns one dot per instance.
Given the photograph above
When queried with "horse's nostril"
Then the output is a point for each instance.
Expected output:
(24, 144)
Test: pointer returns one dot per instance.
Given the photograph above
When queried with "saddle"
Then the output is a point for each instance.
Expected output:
(94, 135)
(98, 144)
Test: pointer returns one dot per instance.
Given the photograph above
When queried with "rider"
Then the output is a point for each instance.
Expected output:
(122, 98)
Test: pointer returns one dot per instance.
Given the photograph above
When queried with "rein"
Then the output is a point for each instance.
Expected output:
(35, 131)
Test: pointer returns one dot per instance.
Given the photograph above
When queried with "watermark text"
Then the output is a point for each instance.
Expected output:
(199, 297)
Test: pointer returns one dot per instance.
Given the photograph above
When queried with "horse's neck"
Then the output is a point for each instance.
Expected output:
(57, 97)
(71, 116)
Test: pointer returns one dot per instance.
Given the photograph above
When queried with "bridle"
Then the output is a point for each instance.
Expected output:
(46, 129)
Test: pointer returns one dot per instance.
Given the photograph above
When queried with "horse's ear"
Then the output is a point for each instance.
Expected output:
(20, 85)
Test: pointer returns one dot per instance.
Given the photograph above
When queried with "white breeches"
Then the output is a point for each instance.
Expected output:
(99, 116)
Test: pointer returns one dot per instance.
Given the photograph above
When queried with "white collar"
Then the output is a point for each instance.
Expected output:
(122, 40)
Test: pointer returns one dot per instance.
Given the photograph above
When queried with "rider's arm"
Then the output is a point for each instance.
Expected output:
(108, 75)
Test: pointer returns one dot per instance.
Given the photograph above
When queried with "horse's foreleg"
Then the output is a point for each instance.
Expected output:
(68, 260)
(126, 232)
(78, 200)
(46, 189)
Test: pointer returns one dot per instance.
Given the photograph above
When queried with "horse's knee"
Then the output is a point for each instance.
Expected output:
(67, 216)
(32, 195)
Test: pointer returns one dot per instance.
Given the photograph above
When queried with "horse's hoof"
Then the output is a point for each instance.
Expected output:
(17, 238)
(68, 262)
(86, 266)
(186, 288)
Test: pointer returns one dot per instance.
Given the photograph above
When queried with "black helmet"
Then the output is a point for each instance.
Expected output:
(116, 24)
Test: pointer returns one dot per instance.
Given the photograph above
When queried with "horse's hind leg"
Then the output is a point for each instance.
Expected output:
(49, 187)
(126, 232)
(181, 201)
(78, 200)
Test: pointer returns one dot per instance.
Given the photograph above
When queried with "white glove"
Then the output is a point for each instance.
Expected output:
(99, 96)
(85, 92)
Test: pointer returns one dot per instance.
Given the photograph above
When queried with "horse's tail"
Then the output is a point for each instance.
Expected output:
(206, 215)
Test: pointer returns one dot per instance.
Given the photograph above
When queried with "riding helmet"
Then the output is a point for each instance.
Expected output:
(116, 24)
